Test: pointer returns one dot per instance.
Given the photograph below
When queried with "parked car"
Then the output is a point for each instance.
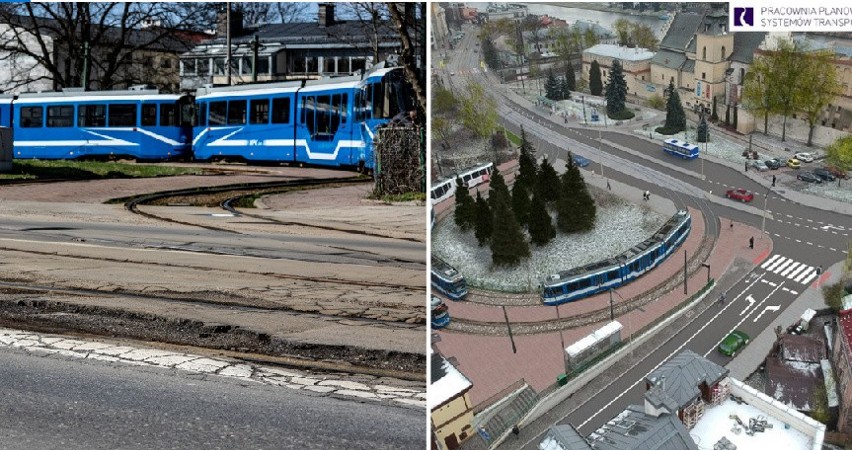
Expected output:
(824, 174)
(733, 343)
(836, 172)
(774, 163)
(804, 157)
(793, 163)
(579, 161)
(809, 177)
(740, 194)
(758, 165)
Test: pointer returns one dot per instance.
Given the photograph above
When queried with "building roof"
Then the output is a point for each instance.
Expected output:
(682, 30)
(745, 43)
(659, 398)
(845, 324)
(670, 59)
(800, 347)
(680, 376)
(620, 52)
(689, 65)
(447, 382)
(792, 382)
(633, 429)
(563, 437)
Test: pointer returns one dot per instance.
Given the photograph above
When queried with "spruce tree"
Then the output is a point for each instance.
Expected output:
(527, 167)
(498, 190)
(616, 90)
(595, 83)
(564, 90)
(551, 86)
(540, 223)
(521, 204)
(483, 222)
(675, 117)
(465, 209)
(569, 77)
(701, 132)
(508, 245)
(576, 209)
(714, 117)
(547, 183)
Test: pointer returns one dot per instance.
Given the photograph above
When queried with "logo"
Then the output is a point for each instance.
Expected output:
(743, 16)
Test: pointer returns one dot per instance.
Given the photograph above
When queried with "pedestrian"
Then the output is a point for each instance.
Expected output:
(732, 224)
(608, 187)
(722, 298)
(647, 195)
(516, 431)
(819, 270)
(751, 242)
(746, 166)
(773, 180)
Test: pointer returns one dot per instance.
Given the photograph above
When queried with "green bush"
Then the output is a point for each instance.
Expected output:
(833, 294)
(657, 102)
(624, 114)
(667, 131)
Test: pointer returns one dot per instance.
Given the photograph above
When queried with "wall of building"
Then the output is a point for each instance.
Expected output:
(843, 375)
(786, 414)
(637, 74)
(454, 418)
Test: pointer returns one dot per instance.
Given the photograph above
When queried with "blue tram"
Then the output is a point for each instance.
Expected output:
(440, 314)
(329, 122)
(447, 280)
(141, 124)
(600, 276)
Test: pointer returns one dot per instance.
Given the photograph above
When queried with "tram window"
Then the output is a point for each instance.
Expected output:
(237, 112)
(121, 116)
(308, 113)
(91, 116)
(612, 275)
(323, 115)
(201, 114)
(169, 115)
(149, 115)
(584, 283)
(60, 116)
(380, 107)
(217, 113)
(343, 108)
(259, 111)
(32, 116)
(281, 110)
(572, 286)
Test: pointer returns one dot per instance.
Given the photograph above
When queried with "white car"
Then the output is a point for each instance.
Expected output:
(805, 157)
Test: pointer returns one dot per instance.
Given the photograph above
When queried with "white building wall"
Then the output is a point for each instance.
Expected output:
(18, 69)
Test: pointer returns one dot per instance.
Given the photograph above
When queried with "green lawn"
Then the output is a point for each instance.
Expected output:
(33, 169)
(515, 139)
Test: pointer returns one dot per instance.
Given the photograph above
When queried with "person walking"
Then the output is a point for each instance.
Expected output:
(773, 180)
(732, 224)
(608, 187)
(751, 242)
(746, 166)
(722, 298)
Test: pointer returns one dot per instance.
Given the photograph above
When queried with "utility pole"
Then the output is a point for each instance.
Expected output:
(600, 155)
(85, 80)
(509, 327)
(562, 340)
(765, 200)
(684, 271)
(228, 43)
(611, 309)
(255, 48)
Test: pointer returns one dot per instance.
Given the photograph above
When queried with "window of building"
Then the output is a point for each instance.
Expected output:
(311, 64)
(703, 75)
(188, 66)
(328, 65)
(121, 115)
(259, 111)
(203, 67)
(723, 52)
(60, 116)
(169, 115)
(358, 64)
(217, 113)
(91, 116)
(149, 115)
(281, 110)
(165, 63)
(262, 66)
(704, 53)
(237, 112)
(343, 65)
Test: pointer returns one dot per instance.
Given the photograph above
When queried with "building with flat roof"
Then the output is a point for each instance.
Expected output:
(449, 403)
(635, 62)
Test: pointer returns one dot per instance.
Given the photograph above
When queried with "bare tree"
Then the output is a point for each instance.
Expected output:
(410, 22)
(267, 12)
(100, 45)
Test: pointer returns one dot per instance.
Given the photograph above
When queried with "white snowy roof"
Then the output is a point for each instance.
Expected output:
(603, 333)
(619, 52)
(447, 382)
(716, 423)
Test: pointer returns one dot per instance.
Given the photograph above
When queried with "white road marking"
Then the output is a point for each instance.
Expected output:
(790, 269)
(777, 263)
(796, 272)
(804, 274)
(750, 301)
(768, 308)
(742, 320)
(770, 260)
(809, 278)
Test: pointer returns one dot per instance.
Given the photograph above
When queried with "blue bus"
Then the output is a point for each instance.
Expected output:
(141, 124)
(681, 149)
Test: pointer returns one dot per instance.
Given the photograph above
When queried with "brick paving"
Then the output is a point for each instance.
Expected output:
(491, 365)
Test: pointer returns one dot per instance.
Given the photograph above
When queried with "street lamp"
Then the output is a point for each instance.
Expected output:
(765, 200)
(562, 340)
(583, 99)
(600, 154)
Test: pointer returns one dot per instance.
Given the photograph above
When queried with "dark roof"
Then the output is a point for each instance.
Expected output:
(792, 382)
(310, 32)
(802, 348)
(683, 374)
(668, 58)
(633, 429)
(682, 30)
(689, 65)
(659, 398)
(436, 368)
(567, 437)
(745, 43)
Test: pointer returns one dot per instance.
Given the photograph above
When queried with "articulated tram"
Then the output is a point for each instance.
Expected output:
(447, 280)
(601, 276)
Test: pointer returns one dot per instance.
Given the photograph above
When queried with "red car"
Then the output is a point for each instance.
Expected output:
(740, 194)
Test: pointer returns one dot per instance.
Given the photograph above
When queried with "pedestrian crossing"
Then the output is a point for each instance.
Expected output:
(790, 269)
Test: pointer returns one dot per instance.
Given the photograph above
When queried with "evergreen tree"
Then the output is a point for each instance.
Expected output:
(701, 132)
(498, 190)
(489, 54)
(483, 222)
(527, 166)
(714, 117)
(575, 206)
(508, 245)
(521, 204)
(569, 77)
(547, 183)
(564, 90)
(728, 115)
(465, 209)
(551, 86)
(540, 223)
(595, 83)
(675, 117)
(616, 90)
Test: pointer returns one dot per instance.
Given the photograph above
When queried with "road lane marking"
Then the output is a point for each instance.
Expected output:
(777, 263)
(750, 301)
(790, 269)
(796, 272)
(742, 320)
(768, 308)
(770, 260)
(803, 275)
